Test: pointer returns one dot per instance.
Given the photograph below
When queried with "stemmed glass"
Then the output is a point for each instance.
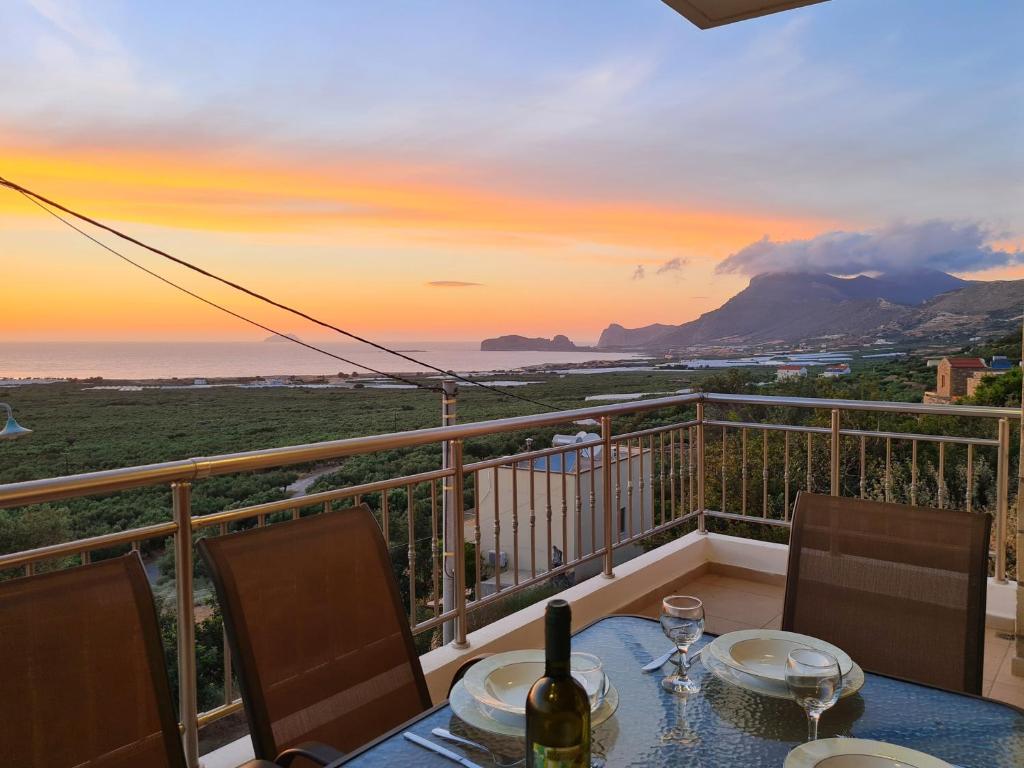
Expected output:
(814, 680)
(682, 621)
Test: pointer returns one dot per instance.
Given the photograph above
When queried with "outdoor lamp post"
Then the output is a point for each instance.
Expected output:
(12, 429)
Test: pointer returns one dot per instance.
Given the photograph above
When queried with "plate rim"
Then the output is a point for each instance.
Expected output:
(798, 757)
(719, 647)
(851, 683)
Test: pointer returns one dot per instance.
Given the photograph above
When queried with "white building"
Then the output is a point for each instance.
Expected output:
(835, 371)
(784, 372)
(564, 491)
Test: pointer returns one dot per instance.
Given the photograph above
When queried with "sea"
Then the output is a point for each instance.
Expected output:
(191, 360)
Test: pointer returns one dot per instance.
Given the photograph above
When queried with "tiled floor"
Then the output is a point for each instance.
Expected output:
(732, 604)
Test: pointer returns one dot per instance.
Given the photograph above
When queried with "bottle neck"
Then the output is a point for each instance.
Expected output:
(557, 648)
(557, 644)
(556, 668)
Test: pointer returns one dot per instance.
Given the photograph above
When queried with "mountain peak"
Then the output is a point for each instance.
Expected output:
(789, 307)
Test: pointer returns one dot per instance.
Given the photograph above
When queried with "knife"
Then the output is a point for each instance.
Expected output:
(660, 661)
(453, 756)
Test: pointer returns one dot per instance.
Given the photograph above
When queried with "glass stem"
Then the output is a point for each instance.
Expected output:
(683, 663)
(812, 725)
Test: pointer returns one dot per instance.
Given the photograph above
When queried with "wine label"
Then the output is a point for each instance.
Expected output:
(559, 757)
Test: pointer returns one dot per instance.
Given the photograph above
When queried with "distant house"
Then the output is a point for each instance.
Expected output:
(199, 383)
(561, 495)
(952, 376)
(784, 372)
(835, 371)
(999, 365)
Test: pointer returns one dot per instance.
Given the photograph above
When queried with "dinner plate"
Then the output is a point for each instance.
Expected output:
(762, 652)
(500, 683)
(469, 711)
(858, 753)
(852, 682)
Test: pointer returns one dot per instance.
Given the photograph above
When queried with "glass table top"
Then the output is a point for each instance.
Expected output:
(727, 726)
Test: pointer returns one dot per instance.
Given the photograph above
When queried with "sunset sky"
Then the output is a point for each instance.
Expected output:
(455, 170)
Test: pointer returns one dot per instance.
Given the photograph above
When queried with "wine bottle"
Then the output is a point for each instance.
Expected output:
(557, 707)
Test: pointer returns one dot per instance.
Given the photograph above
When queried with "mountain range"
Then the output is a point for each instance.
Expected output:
(796, 307)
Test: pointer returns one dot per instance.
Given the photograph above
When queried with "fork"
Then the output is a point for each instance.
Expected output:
(444, 733)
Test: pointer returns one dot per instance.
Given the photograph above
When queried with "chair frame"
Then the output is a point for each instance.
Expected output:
(974, 665)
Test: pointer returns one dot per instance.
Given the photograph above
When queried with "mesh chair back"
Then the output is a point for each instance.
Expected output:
(322, 643)
(899, 588)
(82, 675)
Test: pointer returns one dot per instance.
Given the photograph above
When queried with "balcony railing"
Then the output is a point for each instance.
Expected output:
(708, 460)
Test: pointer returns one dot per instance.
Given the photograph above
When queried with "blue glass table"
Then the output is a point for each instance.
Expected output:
(727, 726)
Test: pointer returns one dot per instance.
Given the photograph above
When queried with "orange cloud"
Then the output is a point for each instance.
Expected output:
(274, 194)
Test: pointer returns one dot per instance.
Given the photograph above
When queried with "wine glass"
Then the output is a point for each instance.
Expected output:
(814, 680)
(682, 621)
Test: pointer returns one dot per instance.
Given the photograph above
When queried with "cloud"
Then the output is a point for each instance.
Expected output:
(672, 265)
(451, 284)
(936, 244)
(639, 273)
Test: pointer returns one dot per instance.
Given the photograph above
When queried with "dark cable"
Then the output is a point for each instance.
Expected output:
(163, 279)
(261, 297)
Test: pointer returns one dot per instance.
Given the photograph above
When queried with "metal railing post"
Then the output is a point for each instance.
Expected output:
(449, 559)
(834, 455)
(1017, 662)
(701, 522)
(459, 556)
(1002, 498)
(188, 705)
(606, 473)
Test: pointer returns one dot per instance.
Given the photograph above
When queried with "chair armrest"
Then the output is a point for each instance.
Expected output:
(259, 764)
(461, 671)
(321, 754)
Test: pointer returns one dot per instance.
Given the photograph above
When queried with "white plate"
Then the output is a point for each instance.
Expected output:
(763, 652)
(852, 682)
(500, 683)
(858, 753)
(467, 709)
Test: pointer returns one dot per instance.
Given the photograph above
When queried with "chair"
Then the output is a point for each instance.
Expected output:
(899, 588)
(321, 640)
(83, 674)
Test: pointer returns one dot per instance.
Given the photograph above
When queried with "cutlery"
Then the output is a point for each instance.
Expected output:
(444, 733)
(437, 748)
(660, 661)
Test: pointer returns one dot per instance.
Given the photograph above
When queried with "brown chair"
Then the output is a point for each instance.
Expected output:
(82, 671)
(322, 643)
(899, 588)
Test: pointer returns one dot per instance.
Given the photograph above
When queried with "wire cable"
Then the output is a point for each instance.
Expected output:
(238, 287)
(222, 308)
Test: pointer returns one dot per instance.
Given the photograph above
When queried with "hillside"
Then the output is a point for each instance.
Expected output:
(790, 308)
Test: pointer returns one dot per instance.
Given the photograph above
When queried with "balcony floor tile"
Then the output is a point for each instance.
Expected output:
(1011, 694)
(728, 606)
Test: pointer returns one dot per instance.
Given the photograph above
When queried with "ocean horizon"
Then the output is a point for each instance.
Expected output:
(167, 359)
